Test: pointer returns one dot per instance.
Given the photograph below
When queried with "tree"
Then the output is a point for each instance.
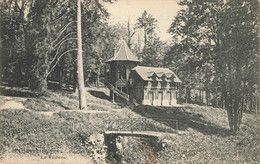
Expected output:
(216, 40)
(153, 48)
(39, 40)
(99, 40)
(13, 42)
(130, 34)
(82, 97)
(148, 24)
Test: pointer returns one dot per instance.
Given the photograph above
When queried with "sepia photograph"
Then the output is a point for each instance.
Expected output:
(129, 81)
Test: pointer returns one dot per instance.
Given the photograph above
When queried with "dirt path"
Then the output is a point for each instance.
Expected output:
(12, 102)
(17, 103)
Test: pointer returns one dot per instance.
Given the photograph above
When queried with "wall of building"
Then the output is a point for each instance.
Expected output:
(112, 73)
(159, 95)
(136, 89)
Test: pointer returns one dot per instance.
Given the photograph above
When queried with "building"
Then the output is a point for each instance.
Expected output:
(119, 67)
(153, 86)
(147, 85)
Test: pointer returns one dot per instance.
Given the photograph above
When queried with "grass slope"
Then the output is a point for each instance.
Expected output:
(77, 136)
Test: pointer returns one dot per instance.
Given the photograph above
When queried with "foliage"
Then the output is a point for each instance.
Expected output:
(39, 42)
(153, 48)
(14, 58)
(215, 49)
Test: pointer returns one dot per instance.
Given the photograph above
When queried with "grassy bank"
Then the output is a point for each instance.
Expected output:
(66, 134)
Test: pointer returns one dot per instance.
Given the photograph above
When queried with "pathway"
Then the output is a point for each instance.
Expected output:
(16, 103)
(12, 103)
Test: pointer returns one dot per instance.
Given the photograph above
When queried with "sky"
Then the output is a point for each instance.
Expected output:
(163, 11)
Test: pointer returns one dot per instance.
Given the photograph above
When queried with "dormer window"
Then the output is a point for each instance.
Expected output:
(149, 84)
(154, 77)
(159, 85)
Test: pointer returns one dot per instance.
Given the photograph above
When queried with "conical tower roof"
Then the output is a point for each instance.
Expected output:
(124, 54)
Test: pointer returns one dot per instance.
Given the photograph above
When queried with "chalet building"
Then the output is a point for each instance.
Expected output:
(153, 86)
(147, 85)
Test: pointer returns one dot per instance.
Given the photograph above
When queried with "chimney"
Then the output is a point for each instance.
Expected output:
(114, 51)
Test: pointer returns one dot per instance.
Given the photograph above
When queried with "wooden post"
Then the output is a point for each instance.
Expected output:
(113, 97)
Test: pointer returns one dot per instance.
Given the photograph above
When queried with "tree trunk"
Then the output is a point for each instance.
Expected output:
(98, 79)
(222, 100)
(82, 97)
(60, 78)
(246, 101)
(236, 114)
(61, 73)
(229, 110)
(145, 38)
(200, 94)
(188, 97)
(216, 98)
(207, 97)
(240, 117)
(74, 79)
(251, 102)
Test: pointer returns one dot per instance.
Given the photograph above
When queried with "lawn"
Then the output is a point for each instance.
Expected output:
(52, 130)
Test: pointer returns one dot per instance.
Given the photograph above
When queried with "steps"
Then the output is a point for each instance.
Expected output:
(121, 94)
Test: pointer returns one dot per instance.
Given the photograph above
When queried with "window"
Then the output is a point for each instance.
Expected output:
(121, 72)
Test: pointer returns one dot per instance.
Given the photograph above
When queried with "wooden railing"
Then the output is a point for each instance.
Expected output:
(131, 99)
(117, 91)
(121, 93)
(153, 124)
(121, 82)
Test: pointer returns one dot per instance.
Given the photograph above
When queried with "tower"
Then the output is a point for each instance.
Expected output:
(120, 66)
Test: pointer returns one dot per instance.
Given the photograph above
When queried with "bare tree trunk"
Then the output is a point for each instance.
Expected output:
(82, 97)
(216, 97)
(60, 77)
(222, 100)
(228, 106)
(129, 34)
(240, 117)
(98, 79)
(200, 94)
(236, 113)
(74, 79)
(256, 104)
(246, 101)
(186, 99)
(251, 102)
(207, 96)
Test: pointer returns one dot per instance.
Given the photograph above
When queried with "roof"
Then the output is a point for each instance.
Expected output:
(147, 74)
(124, 54)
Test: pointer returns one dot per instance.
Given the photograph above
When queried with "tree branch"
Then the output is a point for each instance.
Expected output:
(58, 61)
(61, 31)
(59, 48)
(132, 34)
(64, 38)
